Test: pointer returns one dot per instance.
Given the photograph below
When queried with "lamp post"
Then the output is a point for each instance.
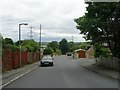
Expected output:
(40, 43)
(20, 41)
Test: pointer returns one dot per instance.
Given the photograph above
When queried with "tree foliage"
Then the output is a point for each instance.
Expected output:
(29, 45)
(101, 24)
(26, 45)
(54, 45)
(48, 51)
(58, 52)
(8, 41)
(63, 45)
(1, 38)
(100, 51)
(74, 46)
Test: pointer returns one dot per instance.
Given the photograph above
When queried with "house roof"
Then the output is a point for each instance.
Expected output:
(79, 50)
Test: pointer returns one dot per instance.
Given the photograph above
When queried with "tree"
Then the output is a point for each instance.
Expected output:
(83, 45)
(17, 43)
(72, 46)
(1, 39)
(30, 45)
(9, 41)
(101, 24)
(54, 45)
(58, 51)
(48, 51)
(63, 45)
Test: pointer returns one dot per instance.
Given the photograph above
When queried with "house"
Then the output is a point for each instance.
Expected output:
(90, 52)
(79, 53)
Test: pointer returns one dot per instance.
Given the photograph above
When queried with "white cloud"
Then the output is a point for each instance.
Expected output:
(56, 17)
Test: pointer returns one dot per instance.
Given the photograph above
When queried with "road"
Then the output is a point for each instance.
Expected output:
(66, 73)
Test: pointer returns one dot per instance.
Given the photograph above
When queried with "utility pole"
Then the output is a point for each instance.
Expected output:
(31, 33)
(72, 38)
(40, 43)
(20, 42)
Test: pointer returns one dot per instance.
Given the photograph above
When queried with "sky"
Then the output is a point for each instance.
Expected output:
(55, 16)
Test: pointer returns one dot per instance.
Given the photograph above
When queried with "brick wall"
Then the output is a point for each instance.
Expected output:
(7, 60)
(16, 59)
(10, 59)
(90, 53)
(23, 58)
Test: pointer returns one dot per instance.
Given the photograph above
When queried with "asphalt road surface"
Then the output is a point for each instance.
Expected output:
(66, 73)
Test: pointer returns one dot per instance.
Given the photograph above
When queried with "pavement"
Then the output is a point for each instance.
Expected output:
(66, 73)
(12, 75)
(89, 64)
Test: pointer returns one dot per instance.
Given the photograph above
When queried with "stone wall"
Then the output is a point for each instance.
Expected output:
(111, 62)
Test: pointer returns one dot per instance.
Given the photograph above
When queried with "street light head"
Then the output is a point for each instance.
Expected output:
(24, 24)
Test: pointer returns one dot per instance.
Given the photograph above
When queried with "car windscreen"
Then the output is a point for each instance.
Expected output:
(47, 58)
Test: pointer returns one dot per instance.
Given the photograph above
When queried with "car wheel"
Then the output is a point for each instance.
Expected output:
(41, 65)
(52, 64)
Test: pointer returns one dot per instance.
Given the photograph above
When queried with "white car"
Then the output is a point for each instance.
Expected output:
(46, 60)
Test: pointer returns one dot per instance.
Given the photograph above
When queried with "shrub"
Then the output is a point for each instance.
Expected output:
(100, 51)
(48, 51)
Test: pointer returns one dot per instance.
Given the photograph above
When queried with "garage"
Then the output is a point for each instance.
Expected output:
(80, 53)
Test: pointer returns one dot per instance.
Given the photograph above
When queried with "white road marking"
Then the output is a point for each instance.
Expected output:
(17, 77)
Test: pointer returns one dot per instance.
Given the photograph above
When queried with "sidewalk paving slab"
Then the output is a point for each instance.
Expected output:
(10, 75)
(105, 72)
(89, 64)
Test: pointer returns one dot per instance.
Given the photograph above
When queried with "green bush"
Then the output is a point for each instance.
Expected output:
(29, 45)
(14, 47)
(26, 45)
(58, 52)
(100, 51)
(48, 51)
(104, 52)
